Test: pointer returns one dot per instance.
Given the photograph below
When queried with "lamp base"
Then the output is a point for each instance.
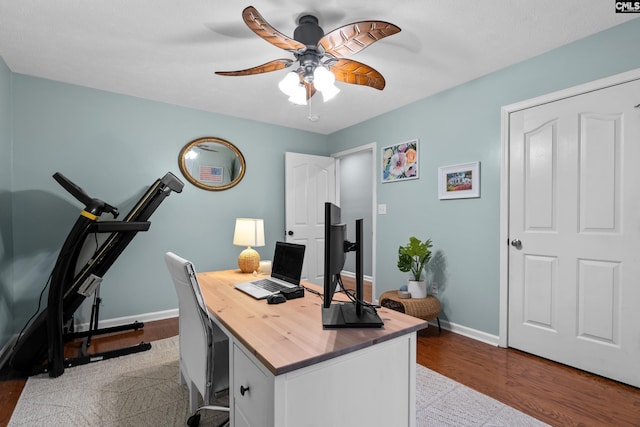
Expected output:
(249, 260)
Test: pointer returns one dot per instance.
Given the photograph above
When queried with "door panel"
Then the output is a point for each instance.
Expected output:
(574, 203)
(600, 152)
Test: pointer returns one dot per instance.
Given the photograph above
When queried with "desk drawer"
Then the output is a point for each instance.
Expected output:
(252, 390)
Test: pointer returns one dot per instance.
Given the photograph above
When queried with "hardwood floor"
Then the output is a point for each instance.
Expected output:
(550, 392)
(553, 393)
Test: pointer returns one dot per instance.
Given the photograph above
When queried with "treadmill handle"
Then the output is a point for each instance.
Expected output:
(72, 188)
(94, 206)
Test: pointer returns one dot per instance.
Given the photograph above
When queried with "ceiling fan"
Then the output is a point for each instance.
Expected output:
(322, 58)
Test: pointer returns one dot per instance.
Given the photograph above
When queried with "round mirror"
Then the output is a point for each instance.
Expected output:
(212, 163)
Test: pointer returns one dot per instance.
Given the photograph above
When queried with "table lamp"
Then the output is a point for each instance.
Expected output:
(249, 232)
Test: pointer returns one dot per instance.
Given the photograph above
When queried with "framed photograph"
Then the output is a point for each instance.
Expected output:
(459, 181)
(400, 162)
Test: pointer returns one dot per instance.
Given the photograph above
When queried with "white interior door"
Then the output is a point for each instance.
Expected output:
(574, 229)
(310, 181)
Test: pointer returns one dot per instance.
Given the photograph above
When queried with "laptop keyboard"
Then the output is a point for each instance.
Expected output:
(269, 285)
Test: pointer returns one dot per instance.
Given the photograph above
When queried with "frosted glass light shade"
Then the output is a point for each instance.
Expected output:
(324, 81)
(290, 83)
(322, 78)
(329, 92)
(299, 97)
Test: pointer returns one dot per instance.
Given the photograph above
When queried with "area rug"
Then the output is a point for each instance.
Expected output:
(441, 401)
(136, 390)
(144, 390)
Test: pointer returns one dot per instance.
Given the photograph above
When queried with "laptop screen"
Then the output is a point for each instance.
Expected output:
(287, 262)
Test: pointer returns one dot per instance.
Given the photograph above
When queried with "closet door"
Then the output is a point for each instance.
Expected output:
(574, 231)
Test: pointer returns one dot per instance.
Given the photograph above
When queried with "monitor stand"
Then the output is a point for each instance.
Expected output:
(345, 316)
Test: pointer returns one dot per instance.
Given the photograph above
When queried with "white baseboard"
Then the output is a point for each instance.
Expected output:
(352, 275)
(467, 332)
(117, 321)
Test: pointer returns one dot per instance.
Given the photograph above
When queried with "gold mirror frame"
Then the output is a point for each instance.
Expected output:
(228, 167)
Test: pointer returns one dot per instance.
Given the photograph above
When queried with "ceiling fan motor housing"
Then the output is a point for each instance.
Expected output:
(308, 32)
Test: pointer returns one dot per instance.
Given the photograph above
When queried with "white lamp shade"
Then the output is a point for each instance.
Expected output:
(322, 78)
(249, 232)
(299, 97)
(329, 92)
(290, 83)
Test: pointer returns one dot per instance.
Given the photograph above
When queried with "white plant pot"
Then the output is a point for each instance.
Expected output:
(417, 289)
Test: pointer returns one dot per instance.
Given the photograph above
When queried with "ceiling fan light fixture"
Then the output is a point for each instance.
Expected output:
(322, 78)
(290, 84)
(329, 92)
(299, 96)
(324, 81)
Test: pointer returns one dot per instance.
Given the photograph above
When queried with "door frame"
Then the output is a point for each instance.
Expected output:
(362, 148)
(504, 177)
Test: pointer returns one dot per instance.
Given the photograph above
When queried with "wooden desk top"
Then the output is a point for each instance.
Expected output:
(289, 336)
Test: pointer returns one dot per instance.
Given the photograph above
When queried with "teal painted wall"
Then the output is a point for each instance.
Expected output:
(6, 239)
(463, 125)
(114, 147)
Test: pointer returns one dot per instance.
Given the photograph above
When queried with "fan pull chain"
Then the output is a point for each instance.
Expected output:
(311, 117)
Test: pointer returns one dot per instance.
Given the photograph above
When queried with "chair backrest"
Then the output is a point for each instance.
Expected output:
(195, 335)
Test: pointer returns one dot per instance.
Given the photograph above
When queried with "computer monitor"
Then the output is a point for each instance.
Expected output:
(354, 313)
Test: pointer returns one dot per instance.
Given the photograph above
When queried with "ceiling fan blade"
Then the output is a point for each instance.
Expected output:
(351, 39)
(275, 65)
(258, 25)
(357, 73)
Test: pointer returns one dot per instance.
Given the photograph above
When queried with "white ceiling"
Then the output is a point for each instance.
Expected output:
(168, 50)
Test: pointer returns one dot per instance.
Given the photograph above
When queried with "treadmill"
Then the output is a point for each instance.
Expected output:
(41, 347)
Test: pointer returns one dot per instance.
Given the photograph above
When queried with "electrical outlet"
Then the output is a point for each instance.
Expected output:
(434, 288)
(382, 209)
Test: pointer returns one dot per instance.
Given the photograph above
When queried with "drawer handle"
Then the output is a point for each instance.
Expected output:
(243, 390)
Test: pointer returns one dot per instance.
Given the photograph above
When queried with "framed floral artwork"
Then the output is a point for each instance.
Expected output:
(459, 181)
(400, 162)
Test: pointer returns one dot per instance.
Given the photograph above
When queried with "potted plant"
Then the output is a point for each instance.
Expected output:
(413, 257)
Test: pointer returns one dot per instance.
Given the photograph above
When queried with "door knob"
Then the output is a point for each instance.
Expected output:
(516, 243)
(290, 233)
(243, 390)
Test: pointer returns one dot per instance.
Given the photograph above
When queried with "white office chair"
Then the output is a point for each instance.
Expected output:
(204, 348)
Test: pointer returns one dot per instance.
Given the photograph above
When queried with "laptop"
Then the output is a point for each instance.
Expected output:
(286, 269)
